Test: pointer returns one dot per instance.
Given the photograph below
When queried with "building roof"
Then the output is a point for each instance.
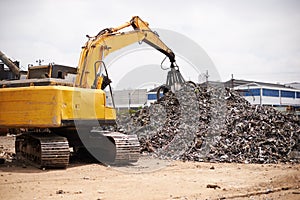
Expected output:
(293, 85)
(232, 83)
(237, 82)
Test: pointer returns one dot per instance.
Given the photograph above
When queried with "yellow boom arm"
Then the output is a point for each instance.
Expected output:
(110, 40)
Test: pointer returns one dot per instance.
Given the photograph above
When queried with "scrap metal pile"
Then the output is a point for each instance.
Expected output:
(217, 125)
(6, 155)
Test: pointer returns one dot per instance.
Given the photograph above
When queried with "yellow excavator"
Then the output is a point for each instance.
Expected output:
(64, 108)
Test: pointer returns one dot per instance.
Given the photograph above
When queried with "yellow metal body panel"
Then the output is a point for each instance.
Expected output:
(48, 106)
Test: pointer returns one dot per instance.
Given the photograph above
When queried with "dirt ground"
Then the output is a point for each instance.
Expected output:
(150, 178)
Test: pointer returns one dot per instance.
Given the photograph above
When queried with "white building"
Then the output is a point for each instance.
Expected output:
(279, 96)
(266, 95)
(152, 96)
(282, 97)
(128, 99)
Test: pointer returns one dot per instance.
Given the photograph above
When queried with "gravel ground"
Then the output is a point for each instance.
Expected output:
(150, 178)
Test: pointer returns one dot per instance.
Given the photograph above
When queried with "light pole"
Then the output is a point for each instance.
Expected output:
(129, 100)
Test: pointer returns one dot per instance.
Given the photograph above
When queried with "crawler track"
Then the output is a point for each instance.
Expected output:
(127, 147)
(43, 149)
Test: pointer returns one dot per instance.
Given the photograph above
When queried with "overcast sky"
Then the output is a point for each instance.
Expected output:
(253, 40)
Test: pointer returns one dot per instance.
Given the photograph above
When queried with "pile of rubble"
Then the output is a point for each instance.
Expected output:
(5, 155)
(217, 125)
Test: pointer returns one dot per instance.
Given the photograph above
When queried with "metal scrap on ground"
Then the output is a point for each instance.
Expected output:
(215, 124)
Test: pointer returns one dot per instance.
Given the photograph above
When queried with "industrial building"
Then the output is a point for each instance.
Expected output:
(266, 95)
(283, 97)
(152, 95)
(128, 99)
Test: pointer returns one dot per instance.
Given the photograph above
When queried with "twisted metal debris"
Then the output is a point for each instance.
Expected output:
(215, 124)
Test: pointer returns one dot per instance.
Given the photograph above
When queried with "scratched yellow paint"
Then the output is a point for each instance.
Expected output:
(47, 106)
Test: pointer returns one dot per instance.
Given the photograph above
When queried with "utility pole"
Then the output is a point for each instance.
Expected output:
(129, 100)
(206, 78)
(231, 80)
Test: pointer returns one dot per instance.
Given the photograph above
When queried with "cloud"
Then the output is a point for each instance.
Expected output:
(241, 37)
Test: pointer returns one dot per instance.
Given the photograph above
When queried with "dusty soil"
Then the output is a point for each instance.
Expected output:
(150, 178)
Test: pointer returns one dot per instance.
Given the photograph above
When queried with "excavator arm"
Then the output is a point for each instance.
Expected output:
(152, 38)
(110, 40)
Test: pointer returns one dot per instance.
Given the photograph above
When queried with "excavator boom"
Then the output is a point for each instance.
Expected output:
(110, 40)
